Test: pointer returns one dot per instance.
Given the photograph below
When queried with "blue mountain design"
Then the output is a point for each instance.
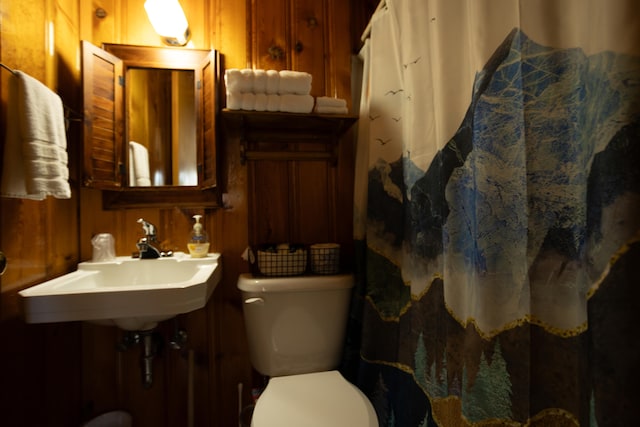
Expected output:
(533, 165)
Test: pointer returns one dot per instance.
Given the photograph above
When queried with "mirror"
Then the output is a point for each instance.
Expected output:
(161, 123)
(149, 135)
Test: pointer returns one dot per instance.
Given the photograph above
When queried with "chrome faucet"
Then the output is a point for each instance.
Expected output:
(148, 245)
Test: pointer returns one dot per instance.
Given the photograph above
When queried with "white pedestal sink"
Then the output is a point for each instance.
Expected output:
(133, 294)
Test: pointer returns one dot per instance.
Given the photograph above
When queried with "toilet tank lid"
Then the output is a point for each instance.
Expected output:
(251, 283)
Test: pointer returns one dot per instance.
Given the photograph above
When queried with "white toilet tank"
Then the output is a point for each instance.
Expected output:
(295, 325)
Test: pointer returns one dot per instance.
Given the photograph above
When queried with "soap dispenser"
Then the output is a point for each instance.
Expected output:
(199, 241)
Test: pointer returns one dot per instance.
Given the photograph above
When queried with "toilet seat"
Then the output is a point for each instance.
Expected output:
(319, 399)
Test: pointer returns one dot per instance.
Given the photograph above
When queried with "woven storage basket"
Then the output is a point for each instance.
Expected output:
(291, 262)
(325, 258)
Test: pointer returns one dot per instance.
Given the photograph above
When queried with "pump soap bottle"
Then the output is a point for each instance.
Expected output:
(199, 242)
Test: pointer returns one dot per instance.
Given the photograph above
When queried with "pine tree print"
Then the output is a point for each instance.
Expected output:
(391, 422)
(420, 362)
(490, 395)
(442, 378)
(500, 388)
(379, 399)
(593, 421)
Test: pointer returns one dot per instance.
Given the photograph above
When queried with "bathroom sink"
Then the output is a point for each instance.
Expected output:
(133, 294)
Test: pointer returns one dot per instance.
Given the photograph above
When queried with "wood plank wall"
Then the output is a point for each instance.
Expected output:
(63, 374)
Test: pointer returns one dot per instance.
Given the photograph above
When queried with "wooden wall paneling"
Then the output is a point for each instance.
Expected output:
(229, 28)
(269, 198)
(313, 202)
(61, 381)
(308, 20)
(338, 52)
(136, 28)
(38, 363)
(22, 51)
(227, 340)
(342, 180)
(197, 13)
(270, 38)
(196, 360)
(102, 377)
(101, 28)
(21, 402)
(341, 22)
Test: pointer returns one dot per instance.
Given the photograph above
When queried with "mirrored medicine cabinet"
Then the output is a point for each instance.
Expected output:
(149, 125)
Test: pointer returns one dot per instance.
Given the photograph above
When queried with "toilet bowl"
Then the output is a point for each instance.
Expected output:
(296, 329)
(319, 399)
(110, 419)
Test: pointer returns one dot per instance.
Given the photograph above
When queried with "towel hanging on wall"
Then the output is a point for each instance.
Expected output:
(139, 172)
(35, 162)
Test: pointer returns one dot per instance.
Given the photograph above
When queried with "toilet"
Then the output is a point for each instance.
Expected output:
(296, 329)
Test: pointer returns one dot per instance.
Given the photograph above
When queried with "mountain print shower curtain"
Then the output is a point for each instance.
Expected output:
(497, 214)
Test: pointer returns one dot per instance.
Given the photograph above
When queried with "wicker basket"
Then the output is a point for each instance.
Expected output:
(281, 262)
(325, 258)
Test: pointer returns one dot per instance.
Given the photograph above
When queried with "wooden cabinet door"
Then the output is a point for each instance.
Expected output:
(103, 118)
(207, 102)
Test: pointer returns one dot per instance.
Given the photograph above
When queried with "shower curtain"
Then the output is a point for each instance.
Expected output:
(497, 214)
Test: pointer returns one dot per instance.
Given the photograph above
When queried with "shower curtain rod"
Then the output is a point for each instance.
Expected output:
(367, 31)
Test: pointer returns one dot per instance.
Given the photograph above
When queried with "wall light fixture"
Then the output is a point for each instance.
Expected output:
(169, 21)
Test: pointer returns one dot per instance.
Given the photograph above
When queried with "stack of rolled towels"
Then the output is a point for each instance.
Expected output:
(278, 91)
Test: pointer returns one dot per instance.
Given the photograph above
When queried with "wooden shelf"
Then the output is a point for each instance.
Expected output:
(287, 136)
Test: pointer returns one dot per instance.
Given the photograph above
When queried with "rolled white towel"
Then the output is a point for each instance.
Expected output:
(290, 103)
(261, 102)
(325, 101)
(232, 79)
(294, 82)
(238, 81)
(273, 102)
(248, 101)
(259, 81)
(330, 110)
(273, 81)
(247, 79)
(234, 100)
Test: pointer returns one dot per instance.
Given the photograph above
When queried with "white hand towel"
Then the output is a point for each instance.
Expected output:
(325, 101)
(259, 81)
(248, 101)
(261, 102)
(273, 81)
(296, 103)
(273, 102)
(35, 152)
(239, 81)
(234, 100)
(139, 175)
(330, 110)
(294, 82)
